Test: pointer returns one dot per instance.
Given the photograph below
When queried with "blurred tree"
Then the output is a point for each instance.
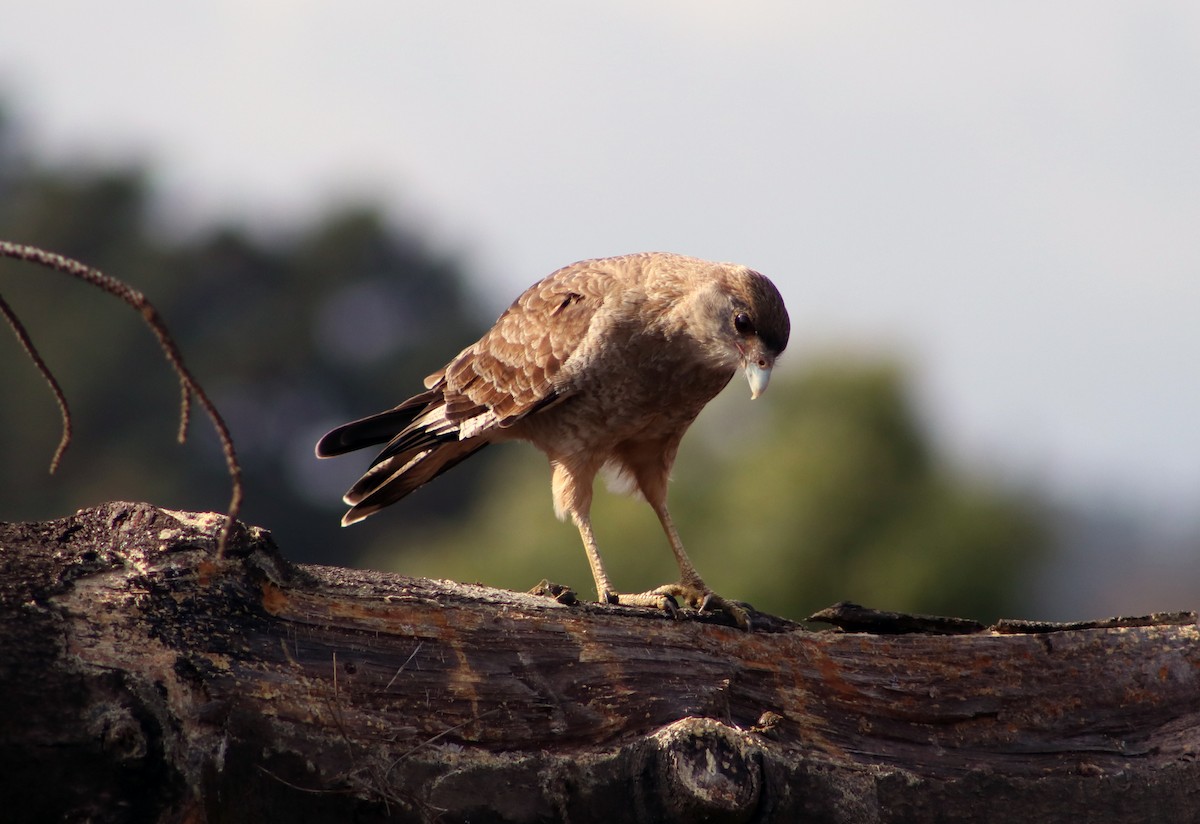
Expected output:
(832, 492)
(289, 335)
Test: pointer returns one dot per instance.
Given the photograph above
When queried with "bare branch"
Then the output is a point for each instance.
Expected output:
(188, 385)
(31, 350)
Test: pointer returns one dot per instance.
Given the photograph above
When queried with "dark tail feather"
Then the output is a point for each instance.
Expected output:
(415, 453)
(390, 480)
(374, 429)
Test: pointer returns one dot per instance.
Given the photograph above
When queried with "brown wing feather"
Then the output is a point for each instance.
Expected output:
(510, 371)
(505, 375)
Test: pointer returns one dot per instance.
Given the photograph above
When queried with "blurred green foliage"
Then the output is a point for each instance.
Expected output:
(827, 489)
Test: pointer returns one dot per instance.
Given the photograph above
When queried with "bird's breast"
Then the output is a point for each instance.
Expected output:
(652, 399)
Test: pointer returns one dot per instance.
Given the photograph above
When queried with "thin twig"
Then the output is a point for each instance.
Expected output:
(188, 385)
(31, 350)
(407, 661)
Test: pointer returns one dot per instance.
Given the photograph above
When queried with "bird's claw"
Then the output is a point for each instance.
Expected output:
(704, 600)
(669, 605)
(735, 611)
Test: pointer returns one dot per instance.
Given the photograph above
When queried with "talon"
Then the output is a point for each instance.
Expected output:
(669, 605)
(714, 602)
(610, 598)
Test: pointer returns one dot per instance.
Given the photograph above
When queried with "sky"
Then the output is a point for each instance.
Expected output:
(1004, 195)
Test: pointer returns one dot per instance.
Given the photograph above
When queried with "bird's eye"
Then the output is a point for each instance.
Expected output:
(743, 324)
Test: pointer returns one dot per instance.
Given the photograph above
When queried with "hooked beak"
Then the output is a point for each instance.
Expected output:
(758, 375)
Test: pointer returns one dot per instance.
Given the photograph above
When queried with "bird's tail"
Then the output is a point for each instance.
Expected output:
(393, 478)
(420, 446)
(369, 431)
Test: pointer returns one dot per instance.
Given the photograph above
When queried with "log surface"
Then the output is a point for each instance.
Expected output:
(144, 679)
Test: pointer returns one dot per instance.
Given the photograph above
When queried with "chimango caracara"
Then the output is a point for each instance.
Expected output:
(601, 365)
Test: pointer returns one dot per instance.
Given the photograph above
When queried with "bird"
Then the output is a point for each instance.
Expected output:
(602, 365)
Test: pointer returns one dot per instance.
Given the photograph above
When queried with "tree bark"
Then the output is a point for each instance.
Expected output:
(144, 679)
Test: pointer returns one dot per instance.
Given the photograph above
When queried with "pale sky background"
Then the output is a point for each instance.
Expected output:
(1006, 194)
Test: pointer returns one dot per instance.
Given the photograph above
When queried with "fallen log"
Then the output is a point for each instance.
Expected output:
(142, 678)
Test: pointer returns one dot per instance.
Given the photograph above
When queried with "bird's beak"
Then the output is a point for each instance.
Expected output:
(758, 376)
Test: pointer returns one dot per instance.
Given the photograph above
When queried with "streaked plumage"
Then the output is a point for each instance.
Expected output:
(604, 363)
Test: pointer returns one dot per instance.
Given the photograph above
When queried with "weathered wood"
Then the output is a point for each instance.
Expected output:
(143, 679)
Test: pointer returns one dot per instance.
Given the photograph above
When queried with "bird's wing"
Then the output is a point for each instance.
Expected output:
(506, 375)
(510, 372)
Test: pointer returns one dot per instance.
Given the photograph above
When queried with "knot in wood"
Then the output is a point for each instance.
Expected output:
(119, 732)
(707, 772)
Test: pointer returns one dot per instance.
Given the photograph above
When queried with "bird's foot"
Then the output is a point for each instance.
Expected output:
(659, 600)
(668, 597)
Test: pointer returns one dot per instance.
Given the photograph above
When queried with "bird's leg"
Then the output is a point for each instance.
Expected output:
(573, 497)
(604, 591)
(572, 489)
(691, 588)
(571, 483)
(650, 466)
(688, 576)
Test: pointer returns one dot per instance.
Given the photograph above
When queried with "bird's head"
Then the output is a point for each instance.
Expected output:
(745, 323)
(760, 326)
